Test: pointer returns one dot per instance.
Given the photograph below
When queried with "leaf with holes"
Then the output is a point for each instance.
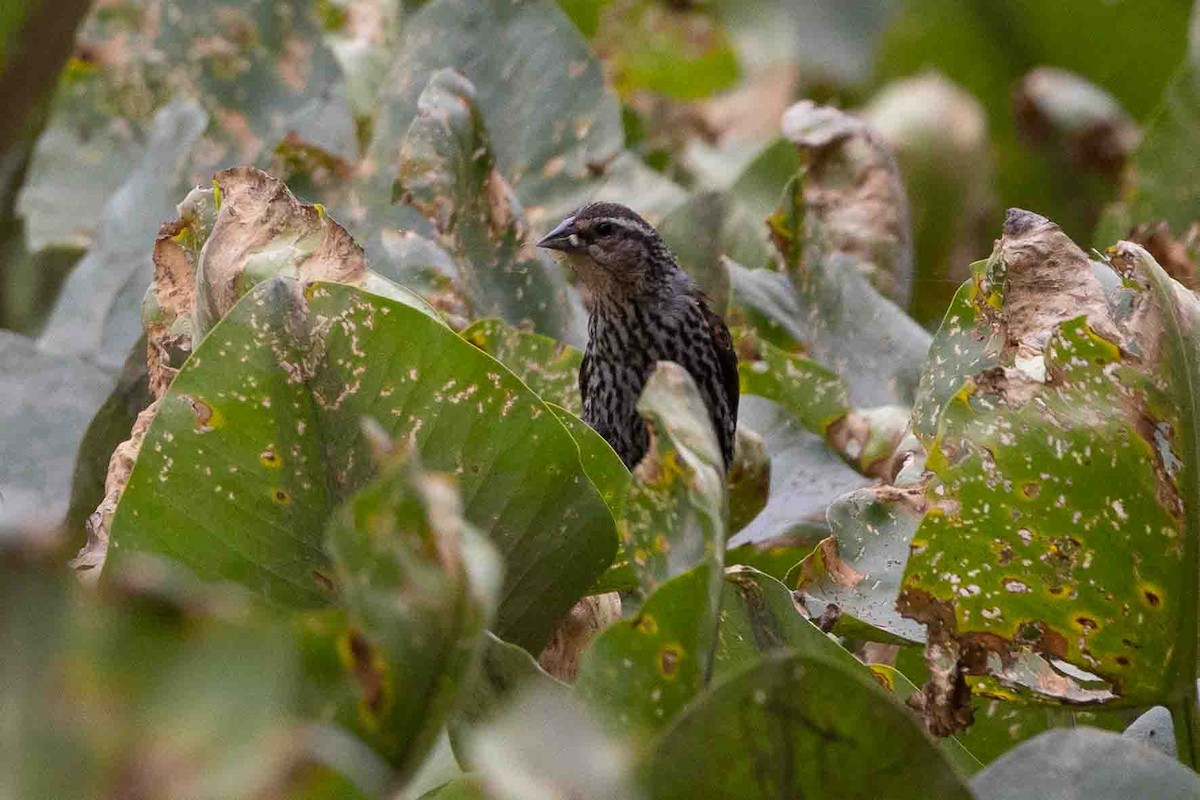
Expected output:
(1058, 551)
(419, 585)
(447, 172)
(259, 437)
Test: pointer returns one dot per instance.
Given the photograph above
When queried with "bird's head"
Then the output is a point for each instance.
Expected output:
(611, 248)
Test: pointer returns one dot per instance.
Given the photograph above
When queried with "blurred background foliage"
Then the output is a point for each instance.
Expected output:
(959, 90)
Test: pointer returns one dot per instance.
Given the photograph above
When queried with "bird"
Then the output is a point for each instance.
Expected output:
(643, 309)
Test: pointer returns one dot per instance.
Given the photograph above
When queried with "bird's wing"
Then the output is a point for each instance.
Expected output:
(726, 355)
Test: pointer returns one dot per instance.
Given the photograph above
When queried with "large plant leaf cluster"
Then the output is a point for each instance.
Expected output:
(309, 392)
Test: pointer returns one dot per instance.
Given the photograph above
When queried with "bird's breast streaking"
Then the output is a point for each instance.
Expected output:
(644, 309)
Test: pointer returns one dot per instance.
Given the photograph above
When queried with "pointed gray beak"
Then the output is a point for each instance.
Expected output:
(562, 238)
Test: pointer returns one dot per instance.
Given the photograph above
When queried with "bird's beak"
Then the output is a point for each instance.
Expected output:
(563, 237)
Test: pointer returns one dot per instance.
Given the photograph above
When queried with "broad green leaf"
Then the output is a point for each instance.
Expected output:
(674, 514)
(806, 476)
(601, 463)
(420, 586)
(858, 569)
(1060, 520)
(797, 725)
(259, 436)
(638, 673)
(759, 617)
(548, 367)
(1085, 763)
(447, 171)
(815, 395)
(551, 370)
(97, 316)
(46, 404)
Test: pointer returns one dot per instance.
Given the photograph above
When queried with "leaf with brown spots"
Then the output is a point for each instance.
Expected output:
(287, 375)
(447, 171)
(1057, 553)
(419, 585)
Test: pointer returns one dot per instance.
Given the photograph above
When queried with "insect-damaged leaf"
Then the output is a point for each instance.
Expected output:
(258, 70)
(549, 367)
(447, 171)
(857, 570)
(259, 437)
(797, 726)
(639, 672)
(419, 585)
(674, 514)
(1057, 410)
(545, 140)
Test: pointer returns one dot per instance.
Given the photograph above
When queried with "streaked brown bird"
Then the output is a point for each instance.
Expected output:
(644, 309)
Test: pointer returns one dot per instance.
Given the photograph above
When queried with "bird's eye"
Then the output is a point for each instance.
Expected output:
(603, 228)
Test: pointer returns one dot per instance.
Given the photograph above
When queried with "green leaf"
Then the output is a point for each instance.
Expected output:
(447, 172)
(759, 617)
(420, 586)
(674, 514)
(797, 725)
(97, 316)
(815, 395)
(46, 403)
(267, 410)
(806, 476)
(638, 673)
(858, 569)
(1085, 763)
(551, 370)
(548, 367)
(1061, 518)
